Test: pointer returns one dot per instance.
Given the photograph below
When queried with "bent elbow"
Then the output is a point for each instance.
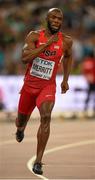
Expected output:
(23, 60)
(26, 58)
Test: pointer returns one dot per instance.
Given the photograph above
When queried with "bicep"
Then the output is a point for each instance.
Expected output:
(68, 47)
(30, 42)
(28, 46)
(68, 53)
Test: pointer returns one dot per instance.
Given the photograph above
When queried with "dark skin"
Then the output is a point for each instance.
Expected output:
(55, 18)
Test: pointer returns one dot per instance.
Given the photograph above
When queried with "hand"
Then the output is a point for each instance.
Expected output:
(64, 86)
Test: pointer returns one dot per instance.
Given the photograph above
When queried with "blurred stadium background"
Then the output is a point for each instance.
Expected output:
(17, 18)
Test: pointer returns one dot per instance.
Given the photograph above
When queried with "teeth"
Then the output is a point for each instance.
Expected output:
(55, 26)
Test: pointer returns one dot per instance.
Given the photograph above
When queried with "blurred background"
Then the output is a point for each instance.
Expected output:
(19, 17)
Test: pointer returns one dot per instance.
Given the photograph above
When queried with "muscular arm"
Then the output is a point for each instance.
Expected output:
(30, 51)
(67, 63)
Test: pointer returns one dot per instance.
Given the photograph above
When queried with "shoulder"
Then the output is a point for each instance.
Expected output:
(67, 40)
(33, 35)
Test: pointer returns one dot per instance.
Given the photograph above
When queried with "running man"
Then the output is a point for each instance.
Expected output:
(43, 52)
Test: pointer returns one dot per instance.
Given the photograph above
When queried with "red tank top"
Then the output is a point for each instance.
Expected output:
(43, 69)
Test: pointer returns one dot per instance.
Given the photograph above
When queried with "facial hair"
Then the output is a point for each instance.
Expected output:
(52, 30)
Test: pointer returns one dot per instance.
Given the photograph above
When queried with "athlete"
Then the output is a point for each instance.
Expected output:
(43, 52)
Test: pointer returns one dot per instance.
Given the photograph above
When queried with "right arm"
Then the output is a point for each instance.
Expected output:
(29, 51)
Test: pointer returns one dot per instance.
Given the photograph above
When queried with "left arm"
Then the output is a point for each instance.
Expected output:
(67, 63)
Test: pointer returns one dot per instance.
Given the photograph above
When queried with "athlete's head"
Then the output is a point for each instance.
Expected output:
(54, 20)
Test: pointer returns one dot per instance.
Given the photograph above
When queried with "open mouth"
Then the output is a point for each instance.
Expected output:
(55, 27)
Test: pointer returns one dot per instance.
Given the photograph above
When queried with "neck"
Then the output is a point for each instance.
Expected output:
(48, 33)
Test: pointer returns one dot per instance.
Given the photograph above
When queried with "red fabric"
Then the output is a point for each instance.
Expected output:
(37, 90)
(27, 102)
(30, 99)
(89, 69)
(56, 52)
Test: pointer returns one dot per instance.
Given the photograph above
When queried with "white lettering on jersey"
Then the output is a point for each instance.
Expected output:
(42, 43)
(56, 47)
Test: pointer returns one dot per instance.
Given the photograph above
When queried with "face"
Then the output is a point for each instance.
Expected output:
(54, 21)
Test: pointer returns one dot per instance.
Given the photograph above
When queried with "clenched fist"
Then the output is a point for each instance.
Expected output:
(64, 86)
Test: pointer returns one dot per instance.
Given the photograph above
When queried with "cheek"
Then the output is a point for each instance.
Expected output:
(51, 20)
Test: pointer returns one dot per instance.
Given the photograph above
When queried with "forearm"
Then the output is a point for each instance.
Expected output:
(29, 54)
(67, 64)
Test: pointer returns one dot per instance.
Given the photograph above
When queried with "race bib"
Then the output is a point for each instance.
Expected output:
(42, 68)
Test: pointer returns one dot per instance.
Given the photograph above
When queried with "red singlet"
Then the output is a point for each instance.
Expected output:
(42, 71)
(40, 77)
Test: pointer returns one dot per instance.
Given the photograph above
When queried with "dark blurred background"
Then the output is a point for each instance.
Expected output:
(18, 17)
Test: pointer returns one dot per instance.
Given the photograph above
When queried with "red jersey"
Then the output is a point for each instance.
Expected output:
(43, 69)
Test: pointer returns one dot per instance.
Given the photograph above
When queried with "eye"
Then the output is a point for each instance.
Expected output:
(56, 17)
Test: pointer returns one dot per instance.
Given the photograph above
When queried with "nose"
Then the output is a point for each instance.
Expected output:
(56, 20)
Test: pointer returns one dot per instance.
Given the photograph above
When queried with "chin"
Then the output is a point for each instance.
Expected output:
(53, 31)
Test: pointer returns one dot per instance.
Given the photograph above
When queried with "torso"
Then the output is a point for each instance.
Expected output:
(42, 71)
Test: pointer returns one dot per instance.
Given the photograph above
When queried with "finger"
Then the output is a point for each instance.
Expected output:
(63, 91)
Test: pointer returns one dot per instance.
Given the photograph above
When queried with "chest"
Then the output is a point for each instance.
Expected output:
(54, 51)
